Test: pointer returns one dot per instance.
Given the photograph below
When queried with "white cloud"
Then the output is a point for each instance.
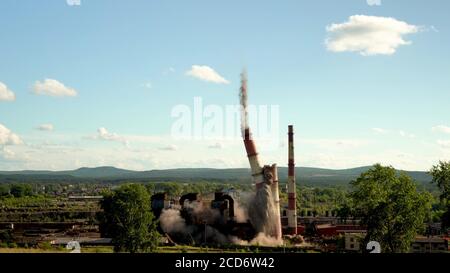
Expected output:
(8, 138)
(380, 130)
(374, 2)
(45, 127)
(104, 134)
(216, 145)
(168, 71)
(8, 153)
(369, 35)
(67, 151)
(6, 94)
(73, 2)
(53, 88)
(401, 133)
(147, 85)
(444, 143)
(406, 134)
(336, 143)
(206, 73)
(170, 147)
(434, 29)
(441, 129)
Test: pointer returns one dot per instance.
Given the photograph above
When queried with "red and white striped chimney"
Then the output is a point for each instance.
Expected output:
(292, 210)
(255, 166)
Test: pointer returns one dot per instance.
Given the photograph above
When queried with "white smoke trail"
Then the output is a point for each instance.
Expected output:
(243, 99)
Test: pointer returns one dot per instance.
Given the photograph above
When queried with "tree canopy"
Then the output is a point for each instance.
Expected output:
(441, 177)
(128, 220)
(21, 190)
(390, 206)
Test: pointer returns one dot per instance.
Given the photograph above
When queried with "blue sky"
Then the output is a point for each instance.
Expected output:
(128, 63)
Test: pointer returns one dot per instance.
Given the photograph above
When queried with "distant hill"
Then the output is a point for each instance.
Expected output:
(304, 175)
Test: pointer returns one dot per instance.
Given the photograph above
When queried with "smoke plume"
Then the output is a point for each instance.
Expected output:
(262, 211)
(201, 213)
(198, 230)
(243, 101)
(240, 213)
(258, 208)
(172, 222)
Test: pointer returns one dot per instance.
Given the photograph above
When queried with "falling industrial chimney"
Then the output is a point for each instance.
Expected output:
(292, 210)
(255, 166)
(264, 177)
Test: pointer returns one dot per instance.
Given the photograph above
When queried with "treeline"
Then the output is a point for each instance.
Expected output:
(176, 189)
(16, 190)
(54, 189)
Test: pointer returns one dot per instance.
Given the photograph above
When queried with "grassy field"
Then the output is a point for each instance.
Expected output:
(103, 249)
(162, 249)
(180, 249)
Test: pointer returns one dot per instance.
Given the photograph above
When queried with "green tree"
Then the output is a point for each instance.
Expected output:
(173, 189)
(21, 190)
(128, 220)
(441, 177)
(151, 188)
(390, 206)
(4, 190)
